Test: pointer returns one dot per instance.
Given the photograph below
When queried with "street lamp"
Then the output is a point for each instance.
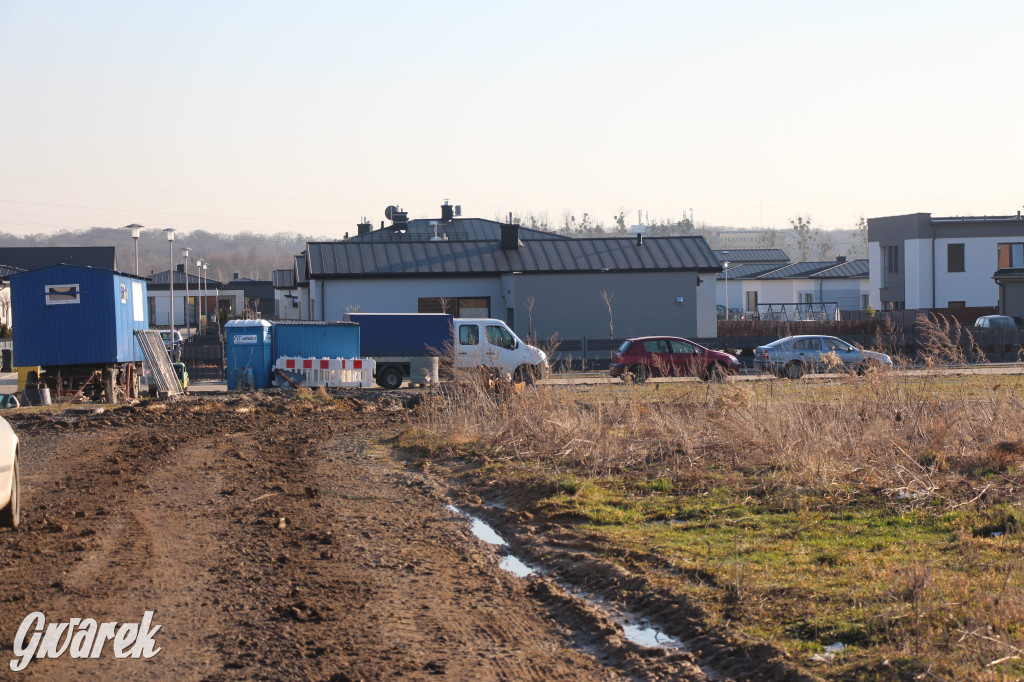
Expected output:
(199, 275)
(206, 289)
(725, 269)
(184, 257)
(170, 280)
(136, 229)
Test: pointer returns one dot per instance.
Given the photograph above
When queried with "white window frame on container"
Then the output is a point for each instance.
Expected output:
(62, 294)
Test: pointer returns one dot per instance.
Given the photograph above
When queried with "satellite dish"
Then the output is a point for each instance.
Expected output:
(390, 212)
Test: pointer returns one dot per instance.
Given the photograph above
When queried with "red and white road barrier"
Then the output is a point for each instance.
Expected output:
(330, 372)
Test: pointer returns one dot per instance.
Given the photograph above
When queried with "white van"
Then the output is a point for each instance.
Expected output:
(484, 342)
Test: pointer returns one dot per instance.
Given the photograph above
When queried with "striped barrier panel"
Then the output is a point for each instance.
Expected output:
(330, 372)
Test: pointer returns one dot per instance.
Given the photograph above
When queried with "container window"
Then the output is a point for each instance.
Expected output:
(62, 294)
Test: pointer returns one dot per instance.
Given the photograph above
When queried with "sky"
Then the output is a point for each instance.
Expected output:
(307, 117)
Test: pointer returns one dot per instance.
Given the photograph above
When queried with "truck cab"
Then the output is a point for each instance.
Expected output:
(484, 342)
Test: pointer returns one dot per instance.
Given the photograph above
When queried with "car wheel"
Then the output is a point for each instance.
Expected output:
(10, 516)
(793, 370)
(715, 372)
(867, 367)
(639, 374)
(390, 378)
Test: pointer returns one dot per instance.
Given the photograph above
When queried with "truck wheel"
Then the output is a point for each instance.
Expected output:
(10, 516)
(390, 378)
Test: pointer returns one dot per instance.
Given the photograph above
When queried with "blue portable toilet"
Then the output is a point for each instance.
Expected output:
(72, 315)
(248, 353)
(315, 339)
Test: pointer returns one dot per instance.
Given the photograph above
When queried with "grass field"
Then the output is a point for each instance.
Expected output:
(880, 512)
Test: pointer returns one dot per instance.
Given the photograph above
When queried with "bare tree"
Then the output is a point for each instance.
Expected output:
(802, 234)
(611, 320)
(528, 304)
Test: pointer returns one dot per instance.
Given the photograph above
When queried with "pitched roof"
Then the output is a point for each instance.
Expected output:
(159, 280)
(749, 270)
(459, 229)
(848, 269)
(300, 270)
(353, 258)
(798, 270)
(35, 257)
(752, 255)
(8, 270)
(283, 279)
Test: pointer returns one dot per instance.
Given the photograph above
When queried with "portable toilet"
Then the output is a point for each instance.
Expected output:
(248, 351)
(315, 339)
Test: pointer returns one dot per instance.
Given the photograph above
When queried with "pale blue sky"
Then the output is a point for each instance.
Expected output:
(305, 116)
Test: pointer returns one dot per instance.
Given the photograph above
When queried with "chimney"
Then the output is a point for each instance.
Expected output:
(235, 276)
(447, 212)
(639, 239)
(180, 267)
(840, 259)
(364, 227)
(509, 236)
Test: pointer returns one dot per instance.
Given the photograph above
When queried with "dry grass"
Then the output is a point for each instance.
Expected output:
(929, 445)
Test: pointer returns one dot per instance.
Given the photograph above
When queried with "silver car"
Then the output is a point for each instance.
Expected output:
(10, 495)
(792, 356)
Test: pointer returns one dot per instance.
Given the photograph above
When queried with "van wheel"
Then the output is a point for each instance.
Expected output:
(793, 370)
(10, 516)
(639, 374)
(525, 374)
(390, 378)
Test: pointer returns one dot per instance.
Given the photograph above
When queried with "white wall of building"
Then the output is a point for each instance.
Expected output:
(875, 274)
(975, 285)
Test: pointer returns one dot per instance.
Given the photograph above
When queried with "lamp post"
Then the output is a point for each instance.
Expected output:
(184, 257)
(136, 229)
(206, 289)
(170, 281)
(725, 267)
(199, 284)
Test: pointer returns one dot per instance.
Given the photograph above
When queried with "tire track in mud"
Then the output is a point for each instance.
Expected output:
(273, 543)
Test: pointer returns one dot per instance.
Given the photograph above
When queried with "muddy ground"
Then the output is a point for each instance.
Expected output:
(279, 537)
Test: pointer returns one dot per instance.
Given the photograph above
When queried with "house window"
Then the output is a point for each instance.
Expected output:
(463, 306)
(807, 298)
(62, 294)
(894, 305)
(954, 257)
(1010, 255)
(865, 301)
(956, 304)
(751, 300)
(891, 254)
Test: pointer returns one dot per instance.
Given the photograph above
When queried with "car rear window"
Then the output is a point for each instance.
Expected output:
(656, 346)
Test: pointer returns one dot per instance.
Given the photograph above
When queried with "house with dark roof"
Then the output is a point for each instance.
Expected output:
(543, 285)
(200, 304)
(291, 291)
(817, 286)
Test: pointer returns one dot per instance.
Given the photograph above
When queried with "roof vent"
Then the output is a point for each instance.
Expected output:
(447, 211)
(639, 239)
(840, 259)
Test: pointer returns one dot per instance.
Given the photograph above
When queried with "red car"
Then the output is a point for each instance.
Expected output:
(670, 356)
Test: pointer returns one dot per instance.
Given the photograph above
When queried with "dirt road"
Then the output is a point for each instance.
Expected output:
(276, 538)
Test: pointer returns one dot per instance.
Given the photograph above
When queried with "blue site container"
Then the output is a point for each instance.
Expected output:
(248, 353)
(67, 315)
(306, 339)
(403, 334)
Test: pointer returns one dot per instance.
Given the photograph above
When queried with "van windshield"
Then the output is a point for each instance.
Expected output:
(501, 337)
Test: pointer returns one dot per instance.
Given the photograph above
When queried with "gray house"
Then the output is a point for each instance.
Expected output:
(921, 262)
(543, 285)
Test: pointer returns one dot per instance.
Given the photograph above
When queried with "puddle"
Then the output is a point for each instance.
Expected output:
(509, 562)
(635, 630)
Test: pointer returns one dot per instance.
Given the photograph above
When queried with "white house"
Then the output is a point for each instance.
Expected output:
(826, 285)
(921, 262)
